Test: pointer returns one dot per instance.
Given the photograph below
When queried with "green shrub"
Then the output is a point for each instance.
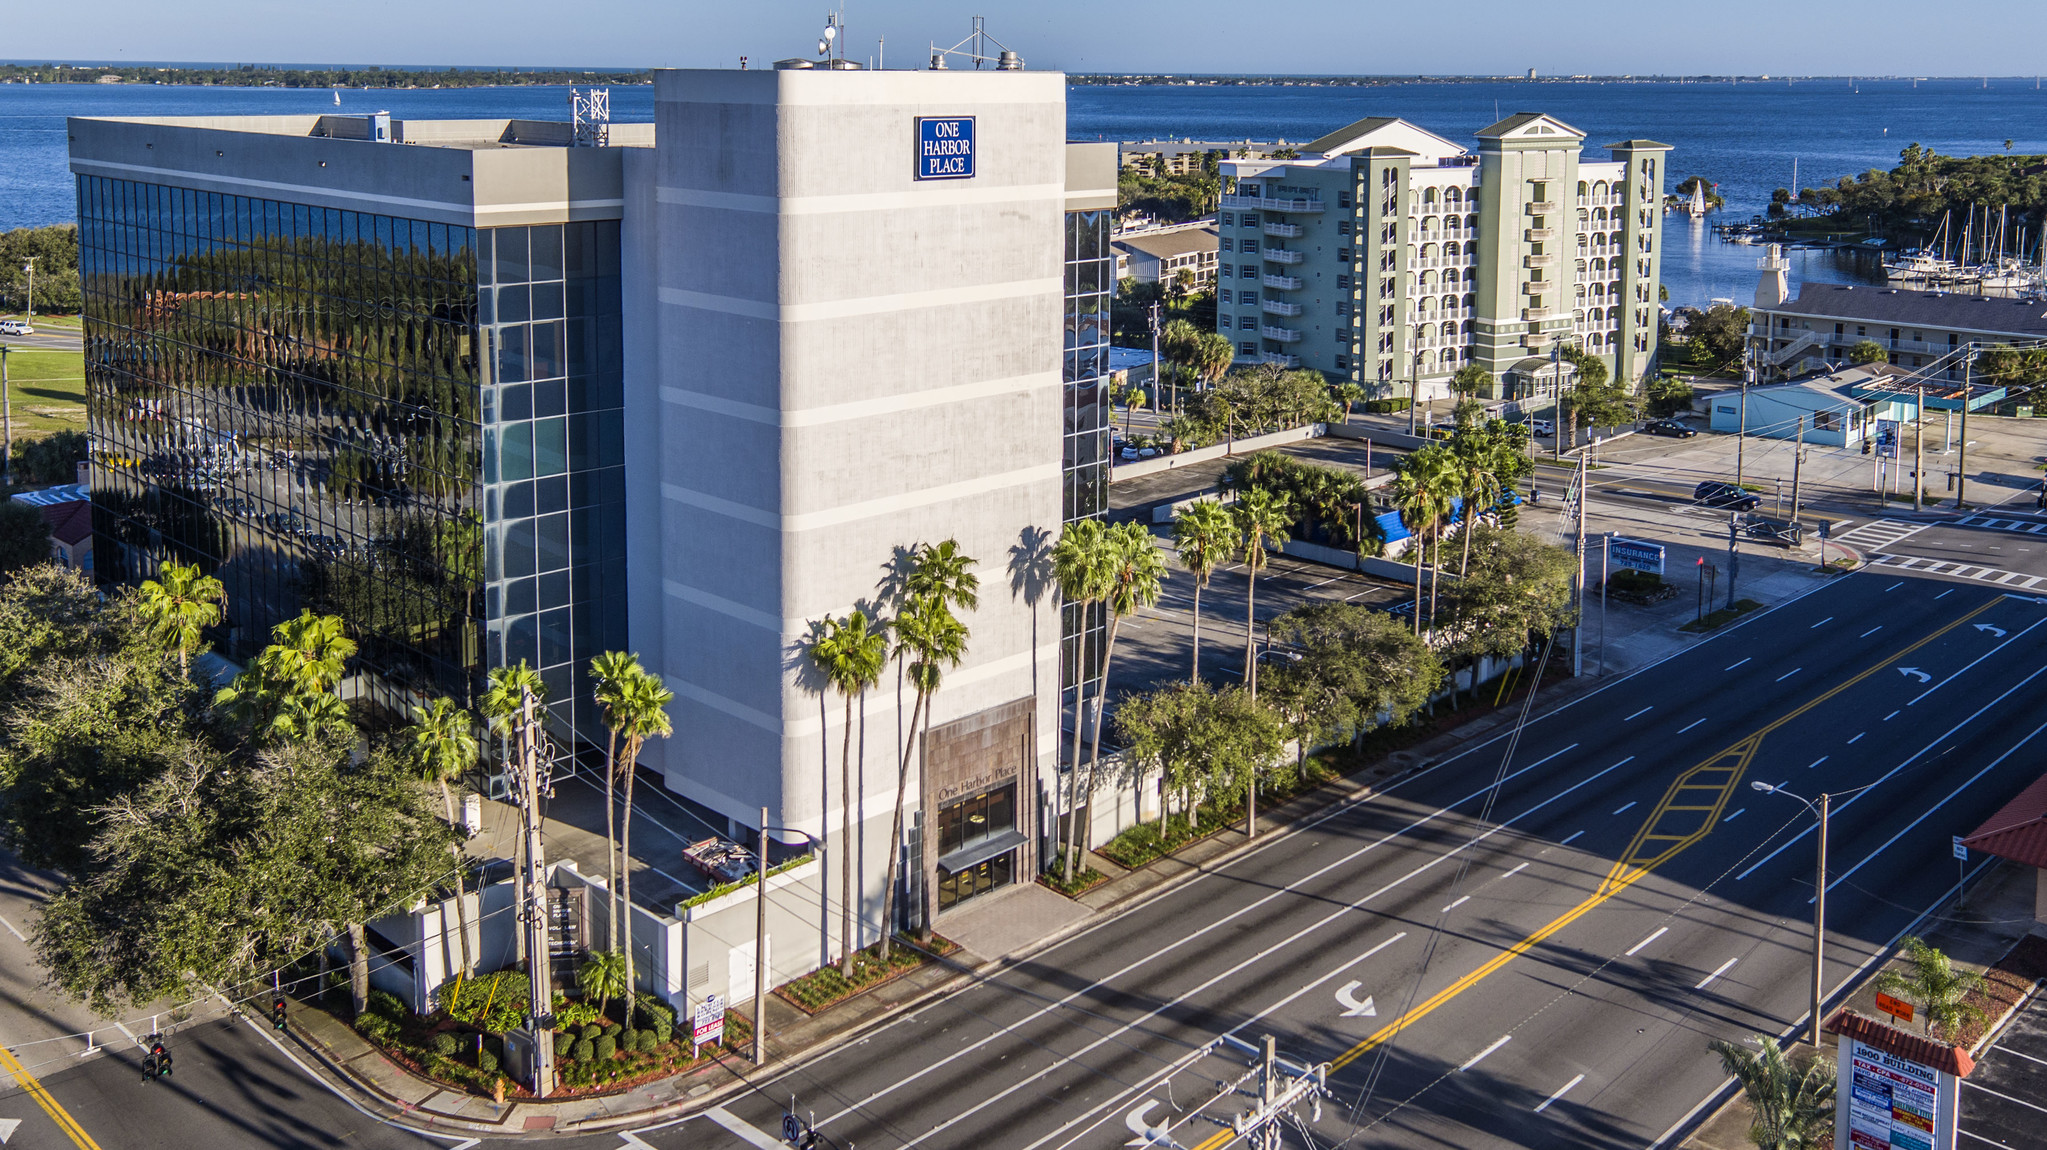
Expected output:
(584, 1051)
(564, 1043)
(386, 1005)
(1382, 406)
(573, 1014)
(490, 1002)
(611, 1029)
(653, 1013)
(606, 1048)
(591, 1031)
(486, 1061)
(647, 1041)
(629, 1039)
(446, 1044)
(662, 1033)
(376, 1027)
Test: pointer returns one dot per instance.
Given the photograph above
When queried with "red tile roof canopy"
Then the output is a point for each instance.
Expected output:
(2019, 831)
(1911, 1047)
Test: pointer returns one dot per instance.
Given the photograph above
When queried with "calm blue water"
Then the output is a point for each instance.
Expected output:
(1742, 136)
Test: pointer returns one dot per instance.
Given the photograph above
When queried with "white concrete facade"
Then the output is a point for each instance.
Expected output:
(829, 361)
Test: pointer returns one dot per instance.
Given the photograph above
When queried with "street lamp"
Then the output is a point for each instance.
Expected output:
(1819, 898)
(760, 937)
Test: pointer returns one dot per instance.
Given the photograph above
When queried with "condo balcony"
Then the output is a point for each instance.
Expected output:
(1540, 207)
(1280, 307)
(1539, 235)
(1282, 360)
(1533, 314)
(1282, 283)
(1267, 204)
(1545, 260)
(1282, 334)
(1284, 231)
(1282, 256)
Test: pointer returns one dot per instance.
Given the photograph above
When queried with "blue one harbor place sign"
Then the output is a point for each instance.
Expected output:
(945, 147)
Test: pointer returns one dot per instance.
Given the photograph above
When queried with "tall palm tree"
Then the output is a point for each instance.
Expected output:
(309, 654)
(180, 607)
(1205, 534)
(1136, 571)
(608, 672)
(442, 745)
(931, 639)
(1349, 395)
(1081, 567)
(1475, 455)
(1421, 491)
(1794, 1108)
(637, 709)
(506, 695)
(1263, 517)
(851, 655)
(941, 571)
(1931, 980)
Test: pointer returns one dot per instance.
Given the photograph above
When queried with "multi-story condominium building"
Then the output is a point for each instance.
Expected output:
(1391, 256)
(1182, 157)
(1179, 256)
(505, 390)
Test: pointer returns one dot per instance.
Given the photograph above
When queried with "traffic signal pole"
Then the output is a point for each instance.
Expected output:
(539, 965)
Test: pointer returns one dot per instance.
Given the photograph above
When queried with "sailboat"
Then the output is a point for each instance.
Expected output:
(1696, 206)
(337, 97)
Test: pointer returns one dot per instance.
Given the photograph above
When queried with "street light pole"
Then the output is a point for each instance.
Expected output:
(1819, 900)
(760, 935)
(30, 268)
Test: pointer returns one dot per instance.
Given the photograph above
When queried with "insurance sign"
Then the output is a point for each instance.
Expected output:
(1635, 554)
(945, 147)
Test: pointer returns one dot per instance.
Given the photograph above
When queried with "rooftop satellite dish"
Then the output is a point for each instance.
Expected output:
(831, 32)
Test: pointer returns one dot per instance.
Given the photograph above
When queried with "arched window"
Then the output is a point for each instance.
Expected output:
(1428, 251)
(1581, 297)
(1428, 278)
(1452, 197)
(1583, 189)
(1449, 331)
(1471, 248)
(1449, 303)
(1424, 305)
(1613, 317)
(1428, 195)
(1599, 267)
(1599, 219)
(1599, 189)
(1599, 294)
(1470, 302)
(1466, 329)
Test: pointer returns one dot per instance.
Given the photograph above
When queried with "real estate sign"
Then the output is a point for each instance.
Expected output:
(708, 1024)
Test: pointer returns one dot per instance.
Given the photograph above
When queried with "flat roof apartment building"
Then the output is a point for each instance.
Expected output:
(1392, 256)
(504, 390)
(1923, 330)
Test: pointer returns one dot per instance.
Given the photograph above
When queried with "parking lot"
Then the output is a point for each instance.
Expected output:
(2004, 1102)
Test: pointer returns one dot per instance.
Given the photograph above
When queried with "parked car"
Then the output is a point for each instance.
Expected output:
(1542, 427)
(1669, 427)
(1714, 493)
(16, 327)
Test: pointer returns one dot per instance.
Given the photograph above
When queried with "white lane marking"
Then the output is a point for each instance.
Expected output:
(1857, 738)
(1565, 1089)
(1734, 816)
(1944, 594)
(1929, 811)
(1476, 1058)
(1892, 715)
(1894, 586)
(1625, 809)
(1727, 668)
(1639, 714)
(1572, 839)
(745, 1131)
(1920, 753)
(1515, 871)
(1788, 674)
(1460, 902)
(1630, 952)
(1233, 916)
(1871, 631)
(1972, 663)
(1817, 762)
(11, 930)
(1724, 967)
(1821, 623)
(1694, 724)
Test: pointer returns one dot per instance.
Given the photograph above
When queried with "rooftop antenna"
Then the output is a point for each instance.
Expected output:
(975, 48)
(590, 110)
(828, 44)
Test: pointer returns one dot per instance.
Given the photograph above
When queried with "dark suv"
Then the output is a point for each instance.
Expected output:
(1713, 493)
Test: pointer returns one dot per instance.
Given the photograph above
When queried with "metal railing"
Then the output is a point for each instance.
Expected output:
(1270, 204)
(1281, 334)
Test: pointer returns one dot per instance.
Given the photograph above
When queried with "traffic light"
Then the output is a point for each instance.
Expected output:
(161, 1054)
(277, 1014)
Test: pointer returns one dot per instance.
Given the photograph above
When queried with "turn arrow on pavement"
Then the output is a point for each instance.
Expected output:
(1997, 631)
(1147, 1134)
(1352, 1008)
(1923, 676)
(7, 1128)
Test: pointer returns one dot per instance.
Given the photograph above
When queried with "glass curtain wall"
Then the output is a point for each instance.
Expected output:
(554, 441)
(1090, 277)
(287, 396)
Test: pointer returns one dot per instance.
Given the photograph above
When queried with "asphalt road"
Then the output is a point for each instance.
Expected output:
(1539, 967)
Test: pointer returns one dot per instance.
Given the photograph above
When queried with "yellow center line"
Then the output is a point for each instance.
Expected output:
(58, 1114)
(1632, 865)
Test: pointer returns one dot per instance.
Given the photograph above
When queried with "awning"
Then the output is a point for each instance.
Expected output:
(2017, 832)
(974, 854)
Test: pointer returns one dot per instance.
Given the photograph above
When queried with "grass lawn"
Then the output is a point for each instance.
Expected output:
(48, 391)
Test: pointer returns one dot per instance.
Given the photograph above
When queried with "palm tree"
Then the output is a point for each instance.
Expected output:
(1941, 992)
(940, 571)
(1474, 453)
(636, 708)
(1349, 395)
(1081, 567)
(180, 607)
(1794, 1109)
(309, 654)
(442, 745)
(604, 975)
(1205, 534)
(1421, 491)
(930, 639)
(851, 656)
(1263, 517)
(608, 672)
(1136, 571)
(506, 696)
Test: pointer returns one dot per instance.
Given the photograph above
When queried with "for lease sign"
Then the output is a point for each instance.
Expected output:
(945, 147)
(1893, 1103)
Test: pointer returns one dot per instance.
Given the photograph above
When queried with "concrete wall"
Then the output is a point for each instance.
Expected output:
(1222, 450)
(829, 360)
(716, 939)
(427, 938)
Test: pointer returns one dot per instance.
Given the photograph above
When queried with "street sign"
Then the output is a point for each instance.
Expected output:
(1902, 1011)
(1961, 852)
(708, 1024)
(1887, 438)
(1636, 555)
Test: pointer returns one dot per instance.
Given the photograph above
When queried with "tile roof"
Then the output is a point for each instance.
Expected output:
(1911, 1047)
(2019, 831)
(70, 523)
(2023, 318)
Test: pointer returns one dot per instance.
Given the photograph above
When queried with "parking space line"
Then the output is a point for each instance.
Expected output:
(1788, 674)
(1624, 810)
(1821, 623)
(1817, 762)
(1976, 1086)
(1572, 839)
(1857, 738)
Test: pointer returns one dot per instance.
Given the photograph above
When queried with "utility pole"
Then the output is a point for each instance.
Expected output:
(1919, 449)
(1797, 459)
(1748, 370)
(760, 948)
(533, 895)
(1414, 384)
(30, 268)
(6, 422)
(1733, 558)
(1962, 460)
(1578, 583)
(1819, 926)
(1158, 375)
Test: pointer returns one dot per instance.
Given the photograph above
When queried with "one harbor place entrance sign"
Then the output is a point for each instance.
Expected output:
(945, 147)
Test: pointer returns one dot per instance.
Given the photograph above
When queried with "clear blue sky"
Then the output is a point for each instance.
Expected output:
(1955, 37)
